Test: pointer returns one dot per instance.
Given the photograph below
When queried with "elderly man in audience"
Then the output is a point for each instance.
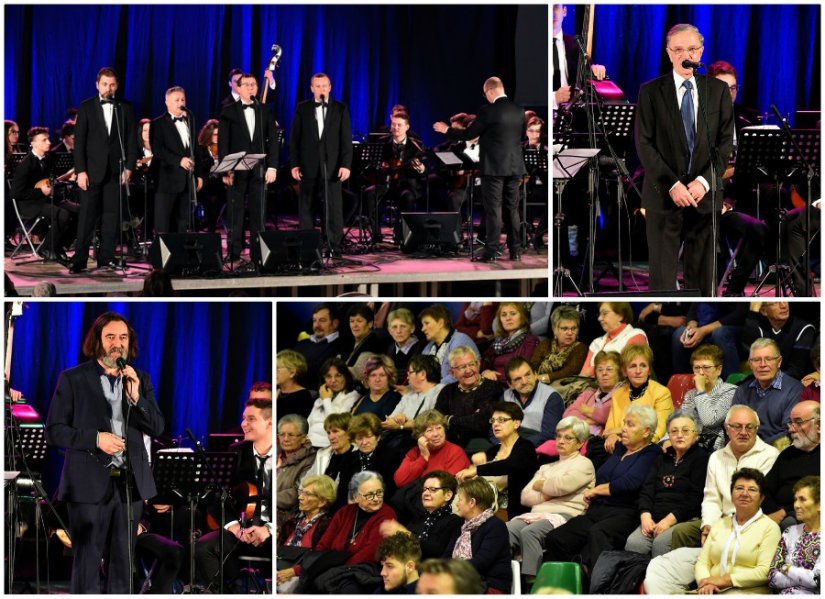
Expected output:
(554, 495)
(325, 341)
(794, 336)
(542, 406)
(711, 397)
(564, 354)
(468, 401)
(796, 566)
(295, 457)
(800, 459)
(772, 393)
(672, 492)
(442, 338)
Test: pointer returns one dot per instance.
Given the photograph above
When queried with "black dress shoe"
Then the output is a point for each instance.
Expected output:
(110, 265)
(335, 253)
(485, 258)
(76, 268)
(515, 256)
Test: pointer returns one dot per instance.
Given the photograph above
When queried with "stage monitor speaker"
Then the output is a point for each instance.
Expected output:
(668, 293)
(289, 251)
(187, 254)
(430, 231)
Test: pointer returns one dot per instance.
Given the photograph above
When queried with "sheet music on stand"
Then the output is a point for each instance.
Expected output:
(568, 162)
(239, 161)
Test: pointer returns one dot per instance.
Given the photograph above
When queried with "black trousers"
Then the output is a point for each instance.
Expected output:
(208, 551)
(333, 220)
(59, 234)
(754, 235)
(499, 196)
(247, 186)
(101, 200)
(172, 210)
(100, 531)
(793, 241)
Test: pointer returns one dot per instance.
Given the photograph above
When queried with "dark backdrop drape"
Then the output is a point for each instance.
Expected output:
(775, 49)
(433, 59)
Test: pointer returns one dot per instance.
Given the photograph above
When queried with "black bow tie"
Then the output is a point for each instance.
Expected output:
(248, 106)
(176, 119)
(106, 102)
(317, 104)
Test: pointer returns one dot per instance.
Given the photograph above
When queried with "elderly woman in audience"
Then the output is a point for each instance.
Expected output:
(555, 494)
(315, 496)
(434, 524)
(673, 489)
(295, 457)
(611, 505)
(708, 402)
(739, 548)
(379, 376)
(423, 377)
(340, 453)
(795, 569)
(482, 539)
(366, 339)
(292, 396)
(640, 390)
(442, 338)
(564, 354)
(433, 451)
(508, 465)
(513, 339)
(405, 345)
(615, 319)
(336, 394)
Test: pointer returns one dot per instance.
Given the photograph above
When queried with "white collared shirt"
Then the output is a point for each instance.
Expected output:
(183, 130)
(108, 110)
(319, 118)
(249, 115)
(565, 76)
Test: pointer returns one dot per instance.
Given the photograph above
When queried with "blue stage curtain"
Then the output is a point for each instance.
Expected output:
(202, 357)
(434, 59)
(774, 48)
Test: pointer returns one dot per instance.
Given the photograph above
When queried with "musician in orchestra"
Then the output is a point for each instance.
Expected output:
(538, 181)
(66, 144)
(33, 191)
(234, 90)
(171, 140)
(213, 194)
(566, 60)
(246, 126)
(674, 152)
(499, 126)
(250, 534)
(402, 170)
(99, 413)
(320, 144)
(104, 126)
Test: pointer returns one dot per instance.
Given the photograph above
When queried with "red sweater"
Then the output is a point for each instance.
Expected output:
(337, 535)
(449, 457)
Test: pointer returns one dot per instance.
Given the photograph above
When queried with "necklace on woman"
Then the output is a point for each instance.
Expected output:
(354, 533)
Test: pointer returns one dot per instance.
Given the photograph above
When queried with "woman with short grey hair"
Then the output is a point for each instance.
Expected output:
(295, 457)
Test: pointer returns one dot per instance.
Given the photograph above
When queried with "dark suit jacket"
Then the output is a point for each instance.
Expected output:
(29, 172)
(246, 469)
(95, 149)
(305, 147)
(77, 413)
(661, 141)
(233, 133)
(491, 553)
(168, 150)
(501, 127)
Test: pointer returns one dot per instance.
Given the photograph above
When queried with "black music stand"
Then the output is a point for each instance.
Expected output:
(807, 143)
(220, 467)
(536, 163)
(368, 158)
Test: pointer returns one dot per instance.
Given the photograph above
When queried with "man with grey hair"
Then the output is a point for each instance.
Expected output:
(674, 571)
(772, 393)
(173, 150)
(673, 148)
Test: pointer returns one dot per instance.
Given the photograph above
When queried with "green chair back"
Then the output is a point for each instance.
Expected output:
(559, 575)
(734, 378)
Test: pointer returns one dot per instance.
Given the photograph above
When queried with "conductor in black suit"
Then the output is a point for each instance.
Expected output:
(172, 139)
(246, 126)
(99, 414)
(500, 126)
(104, 126)
(320, 145)
(672, 143)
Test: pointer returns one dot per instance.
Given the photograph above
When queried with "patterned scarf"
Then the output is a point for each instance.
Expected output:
(301, 529)
(463, 547)
(506, 345)
(556, 359)
(433, 517)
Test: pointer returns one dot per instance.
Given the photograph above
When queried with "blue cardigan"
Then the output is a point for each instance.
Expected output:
(491, 553)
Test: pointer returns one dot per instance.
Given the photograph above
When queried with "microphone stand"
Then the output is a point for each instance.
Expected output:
(117, 115)
(260, 118)
(129, 511)
(193, 179)
(325, 174)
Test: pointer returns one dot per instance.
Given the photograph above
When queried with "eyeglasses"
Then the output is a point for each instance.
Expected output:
(748, 490)
(306, 493)
(798, 422)
(373, 495)
(703, 367)
(463, 367)
(675, 431)
(432, 489)
(499, 420)
(738, 427)
(690, 50)
(765, 360)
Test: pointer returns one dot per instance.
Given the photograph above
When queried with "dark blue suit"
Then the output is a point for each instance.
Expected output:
(97, 512)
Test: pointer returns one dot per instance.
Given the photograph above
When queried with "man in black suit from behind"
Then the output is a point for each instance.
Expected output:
(246, 126)
(320, 145)
(104, 126)
(99, 414)
(499, 126)
(172, 138)
(672, 142)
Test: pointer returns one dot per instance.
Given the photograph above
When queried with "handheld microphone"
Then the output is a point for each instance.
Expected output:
(688, 64)
(184, 109)
(323, 100)
(121, 363)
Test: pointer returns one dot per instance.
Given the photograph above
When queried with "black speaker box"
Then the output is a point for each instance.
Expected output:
(187, 254)
(430, 230)
(285, 251)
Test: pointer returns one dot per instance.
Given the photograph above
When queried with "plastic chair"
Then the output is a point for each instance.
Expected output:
(515, 588)
(735, 378)
(559, 575)
(679, 384)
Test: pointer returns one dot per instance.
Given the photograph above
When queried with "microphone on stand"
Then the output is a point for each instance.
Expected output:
(323, 100)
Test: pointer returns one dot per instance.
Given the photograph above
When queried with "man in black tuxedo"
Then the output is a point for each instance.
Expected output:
(33, 201)
(172, 139)
(672, 143)
(246, 126)
(499, 127)
(254, 465)
(234, 90)
(320, 145)
(99, 414)
(104, 126)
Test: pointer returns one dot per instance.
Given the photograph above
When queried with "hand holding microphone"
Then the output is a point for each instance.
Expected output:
(130, 378)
